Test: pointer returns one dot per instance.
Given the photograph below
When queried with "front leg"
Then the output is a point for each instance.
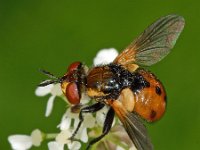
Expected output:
(88, 109)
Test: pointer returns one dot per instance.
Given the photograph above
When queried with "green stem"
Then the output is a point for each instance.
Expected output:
(50, 136)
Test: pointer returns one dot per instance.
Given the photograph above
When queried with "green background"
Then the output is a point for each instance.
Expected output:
(52, 34)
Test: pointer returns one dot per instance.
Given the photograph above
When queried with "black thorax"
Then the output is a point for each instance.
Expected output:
(122, 79)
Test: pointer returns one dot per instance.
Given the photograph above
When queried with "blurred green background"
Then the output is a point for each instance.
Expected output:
(51, 34)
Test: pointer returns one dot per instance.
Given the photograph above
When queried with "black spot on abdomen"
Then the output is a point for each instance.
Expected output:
(158, 90)
(165, 98)
(153, 114)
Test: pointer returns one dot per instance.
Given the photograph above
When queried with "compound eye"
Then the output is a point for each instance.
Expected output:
(74, 66)
(72, 93)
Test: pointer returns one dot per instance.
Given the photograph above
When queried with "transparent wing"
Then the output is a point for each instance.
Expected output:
(154, 43)
(132, 124)
(137, 132)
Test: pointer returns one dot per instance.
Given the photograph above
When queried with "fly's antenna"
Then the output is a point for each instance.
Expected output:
(50, 75)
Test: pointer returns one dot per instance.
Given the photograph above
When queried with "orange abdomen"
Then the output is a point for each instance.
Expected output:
(150, 102)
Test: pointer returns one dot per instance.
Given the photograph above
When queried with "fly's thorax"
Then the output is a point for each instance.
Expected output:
(101, 81)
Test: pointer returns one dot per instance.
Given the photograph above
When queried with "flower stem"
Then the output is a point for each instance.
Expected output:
(50, 135)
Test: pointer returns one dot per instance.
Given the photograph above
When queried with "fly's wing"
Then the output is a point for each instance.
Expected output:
(137, 132)
(133, 125)
(154, 43)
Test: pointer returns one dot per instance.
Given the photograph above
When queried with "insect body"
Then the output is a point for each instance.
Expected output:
(147, 93)
(131, 91)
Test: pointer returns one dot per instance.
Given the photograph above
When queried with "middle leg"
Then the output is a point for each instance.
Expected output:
(106, 128)
(88, 109)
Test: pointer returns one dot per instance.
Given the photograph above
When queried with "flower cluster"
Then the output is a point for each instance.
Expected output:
(90, 128)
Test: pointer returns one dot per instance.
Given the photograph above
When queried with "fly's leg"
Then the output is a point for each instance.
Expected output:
(88, 109)
(106, 128)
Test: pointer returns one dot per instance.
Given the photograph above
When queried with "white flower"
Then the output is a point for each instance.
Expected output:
(20, 142)
(101, 115)
(89, 122)
(24, 142)
(75, 145)
(53, 145)
(63, 138)
(36, 137)
(105, 56)
(69, 117)
(54, 90)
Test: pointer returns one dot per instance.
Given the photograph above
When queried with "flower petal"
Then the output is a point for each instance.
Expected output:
(105, 56)
(20, 142)
(76, 121)
(56, 90)
(74, 145)
(49, 107)
(36, 136)
(70, 114)
(67, 119)
(89, 121)
(55, 146)
(65, 123)
(84, 98)
(82, 135)
(42, 91)
(63, 137)
(101, 115)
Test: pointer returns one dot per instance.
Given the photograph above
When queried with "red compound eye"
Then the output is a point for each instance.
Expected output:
(74, 66)
(72, 93)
